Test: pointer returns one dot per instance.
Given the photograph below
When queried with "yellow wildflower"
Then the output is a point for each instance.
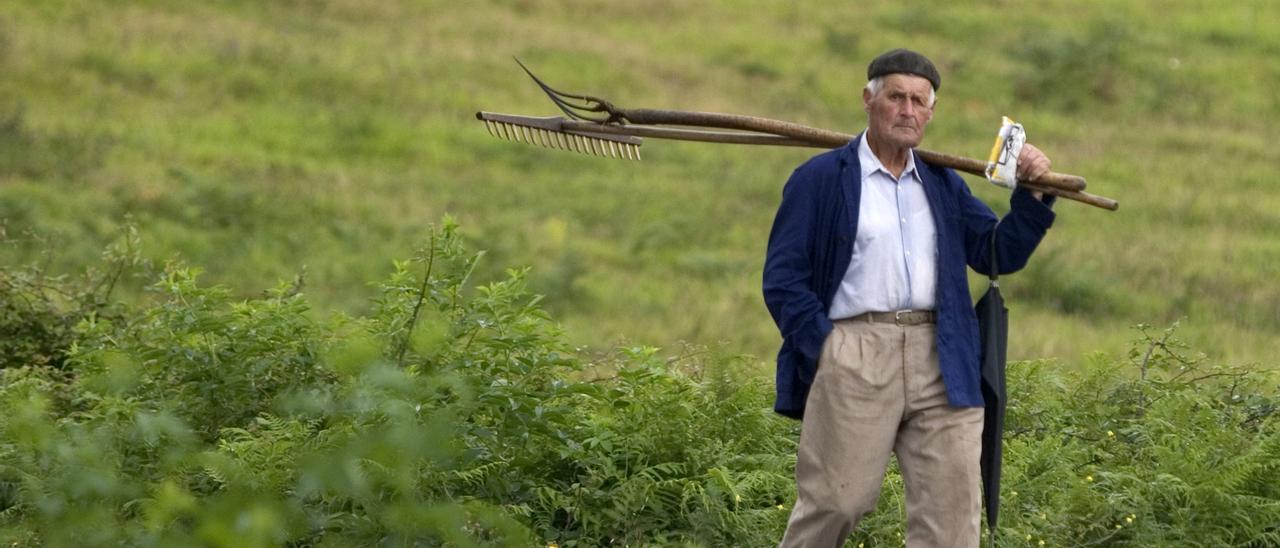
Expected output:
(1111, 434)
(1089, 478)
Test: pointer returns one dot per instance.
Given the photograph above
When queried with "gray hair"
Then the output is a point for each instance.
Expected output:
(877, 83)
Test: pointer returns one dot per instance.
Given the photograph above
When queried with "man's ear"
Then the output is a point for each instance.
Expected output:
(866, 99)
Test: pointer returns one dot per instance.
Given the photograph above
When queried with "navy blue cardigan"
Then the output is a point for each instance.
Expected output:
(811, 245)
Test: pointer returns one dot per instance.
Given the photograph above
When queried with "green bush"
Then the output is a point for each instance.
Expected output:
(459, 415)
(39, 311)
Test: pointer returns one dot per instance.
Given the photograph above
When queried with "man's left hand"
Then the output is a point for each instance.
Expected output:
(1032, 163)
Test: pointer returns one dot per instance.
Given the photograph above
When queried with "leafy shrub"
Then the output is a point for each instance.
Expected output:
(39, 311)
(1162, 449)
(458, 415)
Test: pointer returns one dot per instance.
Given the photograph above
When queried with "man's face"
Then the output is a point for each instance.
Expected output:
(898, 114)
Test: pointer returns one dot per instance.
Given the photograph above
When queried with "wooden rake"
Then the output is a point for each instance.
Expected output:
(595, 126)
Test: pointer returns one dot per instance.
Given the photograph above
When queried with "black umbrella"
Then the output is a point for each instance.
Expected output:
(993, 327)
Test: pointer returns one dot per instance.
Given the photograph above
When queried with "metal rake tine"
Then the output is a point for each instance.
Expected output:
(570, 109)
(554, 93)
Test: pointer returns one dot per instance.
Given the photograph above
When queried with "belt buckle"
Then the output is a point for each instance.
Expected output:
(897, 317)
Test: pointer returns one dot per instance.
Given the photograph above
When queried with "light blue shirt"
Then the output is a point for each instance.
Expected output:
(894, 264)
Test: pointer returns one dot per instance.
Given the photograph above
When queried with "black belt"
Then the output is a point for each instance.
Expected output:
(901, 317)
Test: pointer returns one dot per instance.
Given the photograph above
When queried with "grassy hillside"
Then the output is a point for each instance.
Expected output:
(267, 139)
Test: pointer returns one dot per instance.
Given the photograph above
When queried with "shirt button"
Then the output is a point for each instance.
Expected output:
(904, 220)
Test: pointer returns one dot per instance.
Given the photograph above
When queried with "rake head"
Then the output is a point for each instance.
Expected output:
(550, 132)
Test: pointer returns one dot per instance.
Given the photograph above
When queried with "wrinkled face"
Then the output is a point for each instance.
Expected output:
(898, 113)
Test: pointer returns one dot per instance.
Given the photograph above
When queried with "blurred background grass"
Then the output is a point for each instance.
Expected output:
(264, 139)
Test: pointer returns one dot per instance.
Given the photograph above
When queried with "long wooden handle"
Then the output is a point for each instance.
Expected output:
(1061, 181)
(822, 138)
(832, 140)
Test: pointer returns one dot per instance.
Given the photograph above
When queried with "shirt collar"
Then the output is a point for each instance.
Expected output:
(871, 164)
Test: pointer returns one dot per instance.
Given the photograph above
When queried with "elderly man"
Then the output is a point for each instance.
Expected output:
(865, 277)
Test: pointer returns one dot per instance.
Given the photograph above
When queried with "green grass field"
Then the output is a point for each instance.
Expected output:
(264, 140)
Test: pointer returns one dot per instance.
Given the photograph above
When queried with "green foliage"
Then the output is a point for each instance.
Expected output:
(39, 311)
(1163, 449)
(192, 409)
(456, 415)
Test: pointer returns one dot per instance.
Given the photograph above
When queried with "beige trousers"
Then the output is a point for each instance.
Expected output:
(878, 390)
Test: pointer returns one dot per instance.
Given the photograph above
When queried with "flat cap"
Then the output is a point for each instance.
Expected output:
(904, 61)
